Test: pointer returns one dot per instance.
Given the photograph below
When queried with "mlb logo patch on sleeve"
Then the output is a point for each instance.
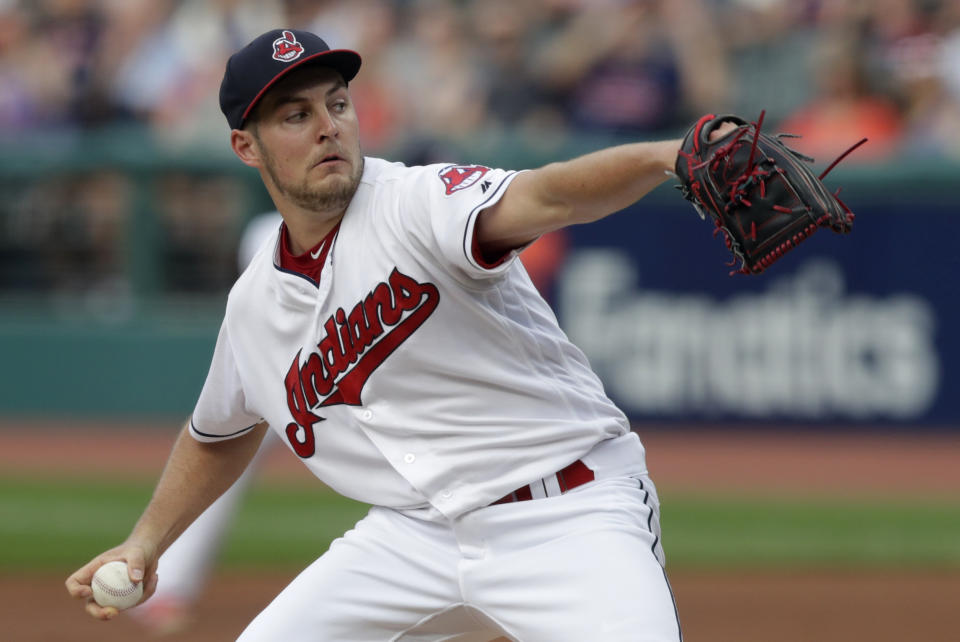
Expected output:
(460, 177)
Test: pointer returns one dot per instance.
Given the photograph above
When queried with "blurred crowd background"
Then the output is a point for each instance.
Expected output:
(441, 68)
(438, 77)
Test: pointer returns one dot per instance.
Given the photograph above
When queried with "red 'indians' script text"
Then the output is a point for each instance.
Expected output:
(354, 345)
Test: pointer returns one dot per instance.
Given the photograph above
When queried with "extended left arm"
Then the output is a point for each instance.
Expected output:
(581, 190)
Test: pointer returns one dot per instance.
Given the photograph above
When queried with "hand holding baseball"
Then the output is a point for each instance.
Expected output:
(110, 585)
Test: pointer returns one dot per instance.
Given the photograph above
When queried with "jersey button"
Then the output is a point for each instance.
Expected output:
(446, 494)
(409, 458)
(367, 415)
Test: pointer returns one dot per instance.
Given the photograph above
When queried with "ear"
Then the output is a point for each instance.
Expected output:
(245, 147)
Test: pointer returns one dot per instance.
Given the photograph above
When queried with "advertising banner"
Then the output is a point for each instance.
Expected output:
(858, 329)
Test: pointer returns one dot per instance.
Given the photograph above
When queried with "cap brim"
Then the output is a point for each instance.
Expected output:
(344, 61)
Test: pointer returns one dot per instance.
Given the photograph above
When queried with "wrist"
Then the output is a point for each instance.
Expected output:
(670, 149)
(149, 537)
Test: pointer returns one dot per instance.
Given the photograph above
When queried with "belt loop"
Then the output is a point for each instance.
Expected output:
(562, 481)
(551, 484)
(538, 489)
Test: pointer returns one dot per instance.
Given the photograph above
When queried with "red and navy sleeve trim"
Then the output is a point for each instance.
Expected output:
(481, 260)
(475, 256)
(193, 427)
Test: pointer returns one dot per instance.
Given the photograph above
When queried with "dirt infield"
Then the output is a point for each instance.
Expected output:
(756, 607)
(767, 461)
(818, 605)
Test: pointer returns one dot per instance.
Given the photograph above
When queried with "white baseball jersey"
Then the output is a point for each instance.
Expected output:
(413, 374)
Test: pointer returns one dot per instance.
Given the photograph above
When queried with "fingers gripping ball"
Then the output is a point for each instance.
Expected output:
(760, 194)
(112, 586)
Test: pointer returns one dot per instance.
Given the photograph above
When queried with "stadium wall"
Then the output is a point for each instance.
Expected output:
(853, 330)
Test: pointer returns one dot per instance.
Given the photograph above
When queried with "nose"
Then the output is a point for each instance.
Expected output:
(326, 125)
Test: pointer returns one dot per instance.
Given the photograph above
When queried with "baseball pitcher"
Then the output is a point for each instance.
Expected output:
(387, 333)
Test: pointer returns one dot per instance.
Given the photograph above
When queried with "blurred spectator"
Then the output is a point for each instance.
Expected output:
(19, 106)
(844, 109)
(635, 68)
(949, 64)
(769, 42)
(912, 52)
(169, 75)
(136, 59)
(46, 68)
(434, 65)
(514, 96)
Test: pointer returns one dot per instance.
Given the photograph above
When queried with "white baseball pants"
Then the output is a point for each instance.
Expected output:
(585, 566)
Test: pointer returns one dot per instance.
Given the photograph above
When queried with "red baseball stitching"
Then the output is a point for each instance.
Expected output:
(112, 591)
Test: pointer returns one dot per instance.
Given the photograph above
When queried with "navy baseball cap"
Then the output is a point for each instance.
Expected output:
(268, 58)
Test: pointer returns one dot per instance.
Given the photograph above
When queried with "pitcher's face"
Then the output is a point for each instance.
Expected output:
(308, 137)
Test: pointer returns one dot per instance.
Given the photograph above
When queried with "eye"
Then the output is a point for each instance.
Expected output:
(296, 116)
(340, 106)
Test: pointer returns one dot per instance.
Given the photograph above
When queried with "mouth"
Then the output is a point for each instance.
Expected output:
(329, 159)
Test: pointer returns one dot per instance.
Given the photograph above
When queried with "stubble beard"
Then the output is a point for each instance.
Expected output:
(335, 196)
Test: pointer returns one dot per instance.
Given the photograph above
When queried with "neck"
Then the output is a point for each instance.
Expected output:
(306, 231)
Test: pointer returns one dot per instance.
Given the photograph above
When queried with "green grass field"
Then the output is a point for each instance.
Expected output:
(59, 524)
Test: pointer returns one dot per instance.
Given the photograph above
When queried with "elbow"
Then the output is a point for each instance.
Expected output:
(556, 203)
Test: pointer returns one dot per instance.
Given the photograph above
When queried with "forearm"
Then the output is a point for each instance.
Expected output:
(596, 185)
(581, 190)
(195, 475)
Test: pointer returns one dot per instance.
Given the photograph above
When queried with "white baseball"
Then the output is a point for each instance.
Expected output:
(112, 586)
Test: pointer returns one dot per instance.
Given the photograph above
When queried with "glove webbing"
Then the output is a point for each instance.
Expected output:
(756, 174)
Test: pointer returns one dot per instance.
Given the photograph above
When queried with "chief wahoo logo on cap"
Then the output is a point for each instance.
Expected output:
(286, 48)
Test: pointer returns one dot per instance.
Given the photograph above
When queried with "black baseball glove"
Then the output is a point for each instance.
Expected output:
(759, 193)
